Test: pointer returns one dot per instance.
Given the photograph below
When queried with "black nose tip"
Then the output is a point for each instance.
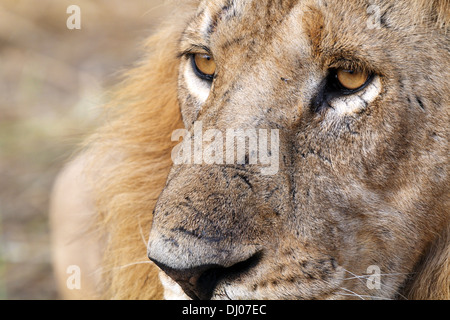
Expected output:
(200, 282)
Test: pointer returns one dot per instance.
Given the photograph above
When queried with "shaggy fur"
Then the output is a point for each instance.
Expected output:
(371, 196)
(144, 148)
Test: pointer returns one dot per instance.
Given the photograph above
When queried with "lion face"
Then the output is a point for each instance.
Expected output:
(358, 186)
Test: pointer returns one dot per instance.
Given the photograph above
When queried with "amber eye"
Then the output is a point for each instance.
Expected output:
(204, 66)
(352, 80)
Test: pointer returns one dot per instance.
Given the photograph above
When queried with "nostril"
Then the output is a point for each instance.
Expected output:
(200, 282)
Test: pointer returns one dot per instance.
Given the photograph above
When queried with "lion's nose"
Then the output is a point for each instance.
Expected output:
(199, 282)
(197, 263)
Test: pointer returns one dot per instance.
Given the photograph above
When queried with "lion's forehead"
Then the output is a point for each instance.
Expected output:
(302, 29)
(252, 18)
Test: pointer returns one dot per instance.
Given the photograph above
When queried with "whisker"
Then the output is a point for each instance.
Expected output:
(141, 232)
(354, 294)
(103, 270)
(356, 277)
(362, 277)
(226, 293)
(133, 264)
(361, 296)
(369, 275)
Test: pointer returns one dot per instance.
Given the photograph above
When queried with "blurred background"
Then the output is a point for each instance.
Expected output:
(51, 83)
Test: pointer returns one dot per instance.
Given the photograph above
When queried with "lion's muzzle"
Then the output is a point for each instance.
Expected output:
(204, 232)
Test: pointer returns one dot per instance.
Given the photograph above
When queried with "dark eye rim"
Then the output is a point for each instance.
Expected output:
(331, 88)
(198, 73)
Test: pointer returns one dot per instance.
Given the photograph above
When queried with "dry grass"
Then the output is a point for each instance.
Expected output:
(51, 81)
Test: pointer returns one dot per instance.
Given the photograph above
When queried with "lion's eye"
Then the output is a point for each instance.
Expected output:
(204, 66)
(352, 80)
(342, 84)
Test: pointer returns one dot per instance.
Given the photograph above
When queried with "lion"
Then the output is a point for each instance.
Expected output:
(356, 96)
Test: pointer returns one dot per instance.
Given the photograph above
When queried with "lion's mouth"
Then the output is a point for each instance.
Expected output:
(200, 283)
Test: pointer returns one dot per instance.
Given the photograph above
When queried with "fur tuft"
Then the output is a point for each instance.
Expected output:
(432, 277)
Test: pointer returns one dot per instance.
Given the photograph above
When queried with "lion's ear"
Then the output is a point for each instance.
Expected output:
(431, 280)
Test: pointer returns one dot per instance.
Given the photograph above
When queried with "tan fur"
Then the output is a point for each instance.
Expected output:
(432, 279)
(129, 162)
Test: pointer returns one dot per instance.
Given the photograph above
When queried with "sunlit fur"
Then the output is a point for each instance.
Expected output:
(145, 114)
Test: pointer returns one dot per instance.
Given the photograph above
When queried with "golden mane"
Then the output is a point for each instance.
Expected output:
(142, 117)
